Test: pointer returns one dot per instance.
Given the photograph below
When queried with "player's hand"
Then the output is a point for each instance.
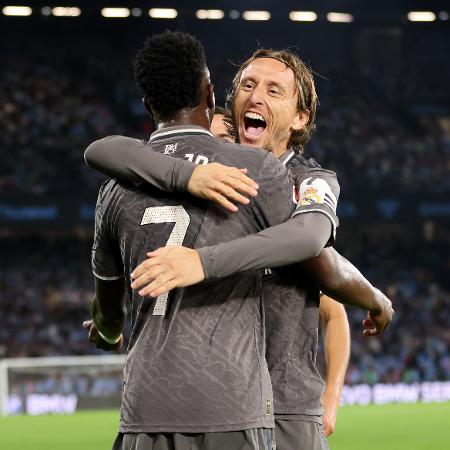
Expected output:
(96, 339)
(330, 408)
(167, 268)
(222, 184)
(378, 319)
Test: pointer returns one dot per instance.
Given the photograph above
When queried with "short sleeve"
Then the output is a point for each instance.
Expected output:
(106, 260)
(274, 203)
(317, 190)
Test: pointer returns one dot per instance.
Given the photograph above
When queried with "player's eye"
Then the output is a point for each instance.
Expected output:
(248, 86)
(274, 92)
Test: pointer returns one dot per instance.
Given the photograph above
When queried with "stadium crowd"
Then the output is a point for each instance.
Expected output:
(381, 138)
(41, 311)
(47, 120)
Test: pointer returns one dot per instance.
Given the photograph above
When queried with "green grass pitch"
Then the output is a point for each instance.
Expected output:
(390, 427)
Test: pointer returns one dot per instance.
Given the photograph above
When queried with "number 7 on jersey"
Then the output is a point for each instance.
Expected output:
(167, 214)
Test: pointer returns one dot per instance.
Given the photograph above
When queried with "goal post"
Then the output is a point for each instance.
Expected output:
(61, 384)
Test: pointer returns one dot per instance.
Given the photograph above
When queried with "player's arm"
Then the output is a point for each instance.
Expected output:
(336, 337)
(299, 238)
(133, 160)
(108, 312)
(312, 226)
(340, 279)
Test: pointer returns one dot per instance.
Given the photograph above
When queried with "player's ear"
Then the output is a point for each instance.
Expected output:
(210, 98)
(300, 120)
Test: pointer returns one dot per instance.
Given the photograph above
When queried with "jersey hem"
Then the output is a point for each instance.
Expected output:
(194, 428)
(299, 418)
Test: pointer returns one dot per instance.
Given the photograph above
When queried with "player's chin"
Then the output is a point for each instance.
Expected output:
(253, 141)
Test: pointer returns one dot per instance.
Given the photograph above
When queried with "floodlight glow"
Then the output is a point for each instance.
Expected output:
(211, 14)
(421, 16)
(443, 15)
(234, 14)
(163, 13)
(17, 11)
(339, 17)
(256, 15)
(46, 11)
(115, 12)
(303, 16)
(62, 11)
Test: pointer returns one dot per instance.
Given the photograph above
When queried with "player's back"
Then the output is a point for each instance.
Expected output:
(197, 365)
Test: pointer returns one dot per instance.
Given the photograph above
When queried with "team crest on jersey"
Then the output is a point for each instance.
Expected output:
(317, 191)
(170, 149)
(310, 196)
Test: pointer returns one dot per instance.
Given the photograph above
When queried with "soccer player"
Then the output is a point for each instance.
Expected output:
(195, 373)
(292, 300)
(222, 124)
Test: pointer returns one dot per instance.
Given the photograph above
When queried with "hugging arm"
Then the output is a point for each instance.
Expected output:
(135, 161)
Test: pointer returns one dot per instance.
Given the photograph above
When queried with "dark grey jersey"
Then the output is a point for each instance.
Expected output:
(195, 361)
(292, 305)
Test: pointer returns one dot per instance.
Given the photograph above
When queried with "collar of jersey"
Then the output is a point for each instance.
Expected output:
(180, 130)
(287, 156)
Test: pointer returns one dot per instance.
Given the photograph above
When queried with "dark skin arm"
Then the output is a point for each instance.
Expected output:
(108, 314)
(340, 279)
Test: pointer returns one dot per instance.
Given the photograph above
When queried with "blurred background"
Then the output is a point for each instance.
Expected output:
(382, 73)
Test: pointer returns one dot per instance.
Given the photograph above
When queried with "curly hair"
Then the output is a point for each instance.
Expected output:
(304, 84)
(169, 71)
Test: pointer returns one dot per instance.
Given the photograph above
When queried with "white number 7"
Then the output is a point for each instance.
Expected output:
(167, 214)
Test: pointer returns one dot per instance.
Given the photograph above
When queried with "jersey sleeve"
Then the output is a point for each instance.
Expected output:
(317, 190)
(134, 161)
(105, 258)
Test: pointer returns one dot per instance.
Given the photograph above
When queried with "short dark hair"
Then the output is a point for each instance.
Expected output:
(169, 71)
(304, 83)
(227, 120)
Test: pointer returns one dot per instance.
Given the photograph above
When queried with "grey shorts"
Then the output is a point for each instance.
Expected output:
(253, 439)
(299, 435)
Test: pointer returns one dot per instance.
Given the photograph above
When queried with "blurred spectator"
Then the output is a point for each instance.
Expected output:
(370, 140)
(46, 288)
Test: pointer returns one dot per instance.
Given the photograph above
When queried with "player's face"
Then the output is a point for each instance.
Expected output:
(265, 106)
(219, 129)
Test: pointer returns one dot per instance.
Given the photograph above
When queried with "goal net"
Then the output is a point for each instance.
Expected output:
(60, 385)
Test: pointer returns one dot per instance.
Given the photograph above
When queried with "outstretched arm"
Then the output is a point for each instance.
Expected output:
(341, 280)
(336, 337)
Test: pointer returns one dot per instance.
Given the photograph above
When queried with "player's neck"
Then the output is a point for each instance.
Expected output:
(193, 116)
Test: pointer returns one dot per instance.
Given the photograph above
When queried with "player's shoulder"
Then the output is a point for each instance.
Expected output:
(239, 150)
(231, 153)
(301, 167)
(111, 189)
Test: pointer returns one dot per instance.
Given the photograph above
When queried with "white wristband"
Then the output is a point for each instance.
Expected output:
(109, 340)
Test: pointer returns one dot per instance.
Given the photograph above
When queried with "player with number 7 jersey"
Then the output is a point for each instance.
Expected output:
(195, 361)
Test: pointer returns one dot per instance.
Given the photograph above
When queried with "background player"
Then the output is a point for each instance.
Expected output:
(222, 124)
(207, 379)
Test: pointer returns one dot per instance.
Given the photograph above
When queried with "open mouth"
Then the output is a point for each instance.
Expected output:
(254, 125)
